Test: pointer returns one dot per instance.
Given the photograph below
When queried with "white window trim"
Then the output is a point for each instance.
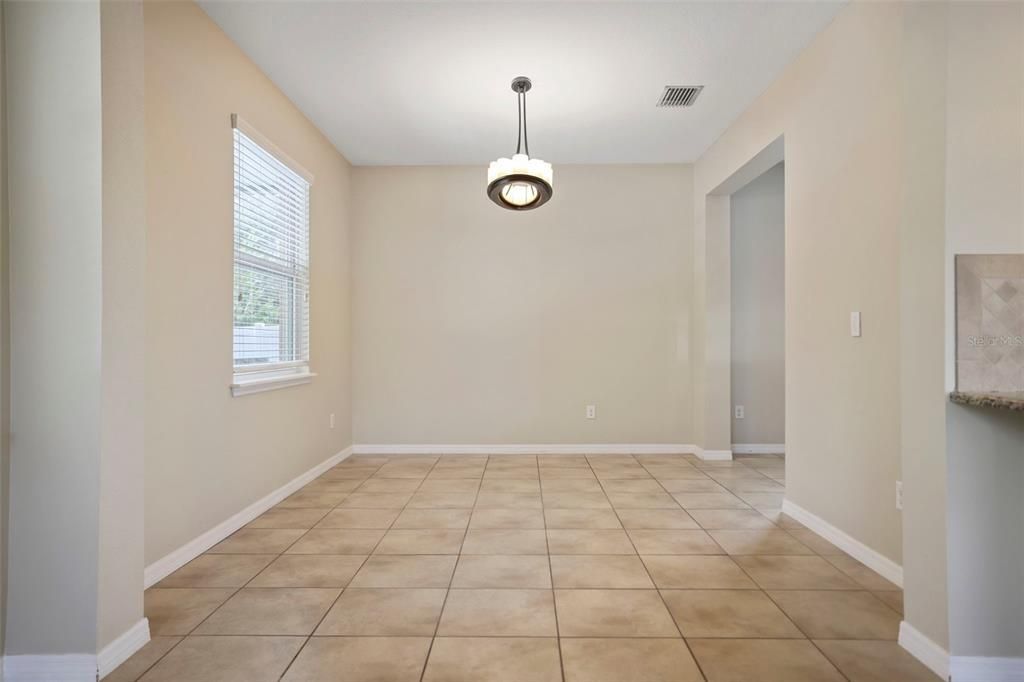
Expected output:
(270, 377)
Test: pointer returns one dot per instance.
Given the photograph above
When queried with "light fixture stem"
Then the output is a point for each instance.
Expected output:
(526, 138)
(519, 125)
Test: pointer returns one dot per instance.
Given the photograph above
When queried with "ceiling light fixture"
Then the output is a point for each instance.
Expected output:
(520, 183)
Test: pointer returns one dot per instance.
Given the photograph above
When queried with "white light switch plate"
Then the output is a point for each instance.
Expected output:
(855, 324)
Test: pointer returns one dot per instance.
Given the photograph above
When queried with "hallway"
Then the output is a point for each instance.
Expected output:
(560, 567)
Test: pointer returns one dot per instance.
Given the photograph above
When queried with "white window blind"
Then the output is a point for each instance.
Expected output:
(271, 264)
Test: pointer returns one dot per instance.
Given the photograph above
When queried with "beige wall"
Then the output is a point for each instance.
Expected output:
(5, 340)
(757, 265)
(475, 325)
(843, 205)
(54, 174)
(208, 455)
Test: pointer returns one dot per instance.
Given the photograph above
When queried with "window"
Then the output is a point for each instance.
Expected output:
(271, 290)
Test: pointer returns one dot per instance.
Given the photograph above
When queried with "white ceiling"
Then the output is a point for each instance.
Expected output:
(428, 83)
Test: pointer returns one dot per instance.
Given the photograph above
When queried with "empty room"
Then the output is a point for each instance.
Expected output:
(549, 341)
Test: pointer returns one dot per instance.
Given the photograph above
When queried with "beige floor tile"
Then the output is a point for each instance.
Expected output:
(226, 659)
(309, 570)
(482, 571)
(795, 573)
(764, 660)
(759, 542)
(569, 485)
(218, 570)
(421, 541)
(384, 612)
(867, 661)
(691, 485)
(567, 473)
(474, 473)
(815, 542)
(276, 611)
(728, 613)
(337, 541)
(492, 659)
(433, 518)
(642, 501)
(257, 541)
(405, 571)
(673, 542)
(582, 571)
(359, 518)
(754, 485)
(589, 542)
(632, 660)
(613, 613)
(498, 613)
(593, 519)
(892, 598)
(142, 660)
(656, 519)
(505, 541)
(507, 518)
(696, 572)
(860, 573)
(360, 500)
(632, 485)
(510, 485)
(676, 473)
(312, 499)
(287, 517)
(762, 501)
(404, 469)
(610, 473)
(432, 500)
(568, 500)
(333, 485)
(737, 519)
(449, 485)
(784, 521)
(177, 611)
(709, 501)
(360, 659)
(487, 500)
(389, 485)
(833, 614)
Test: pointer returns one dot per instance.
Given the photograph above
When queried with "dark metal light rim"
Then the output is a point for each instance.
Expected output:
(544, 191)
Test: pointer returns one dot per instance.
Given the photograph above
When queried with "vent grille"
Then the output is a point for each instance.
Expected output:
(680, 95)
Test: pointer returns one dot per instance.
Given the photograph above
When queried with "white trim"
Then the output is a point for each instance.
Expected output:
(269, 382)
(260, 139)
(925, 650)
(121, 649)
(161, 568)
(759, 448)
(714, 455)
(527, 449)
(57, 668)
(986, 669)
(880, 564)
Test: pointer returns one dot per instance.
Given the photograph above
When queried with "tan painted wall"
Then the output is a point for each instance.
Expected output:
(477, 325)
(5, 339)
(208, 455)
(758, 268)
(843, 207)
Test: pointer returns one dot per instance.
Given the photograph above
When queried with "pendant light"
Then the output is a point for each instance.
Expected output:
(520, 183)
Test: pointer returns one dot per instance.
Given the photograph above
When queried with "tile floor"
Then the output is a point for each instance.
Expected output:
(527, 569)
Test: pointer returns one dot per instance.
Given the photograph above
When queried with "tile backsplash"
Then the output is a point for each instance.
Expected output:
(990, 323)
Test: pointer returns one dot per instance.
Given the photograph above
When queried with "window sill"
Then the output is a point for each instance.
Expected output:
(245, 385)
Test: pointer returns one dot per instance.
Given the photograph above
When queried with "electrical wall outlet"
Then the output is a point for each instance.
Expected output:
(591, 411)
(899, 494)
(332, 420)
(740, 412)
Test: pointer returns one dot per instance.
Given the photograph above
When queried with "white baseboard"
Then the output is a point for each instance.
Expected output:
(925, 650)
(985, 669)
(528, 449)
(714, 455)
(161, 568)
(880, 564)
(67, 668)
(121, 649)
(759, 448)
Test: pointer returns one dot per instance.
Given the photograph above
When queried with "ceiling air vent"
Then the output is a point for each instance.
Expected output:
(679, 95)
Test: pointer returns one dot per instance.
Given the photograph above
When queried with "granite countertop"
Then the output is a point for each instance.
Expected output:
(1004, 401)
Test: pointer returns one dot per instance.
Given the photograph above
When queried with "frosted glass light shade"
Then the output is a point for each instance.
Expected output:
(519, 183)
